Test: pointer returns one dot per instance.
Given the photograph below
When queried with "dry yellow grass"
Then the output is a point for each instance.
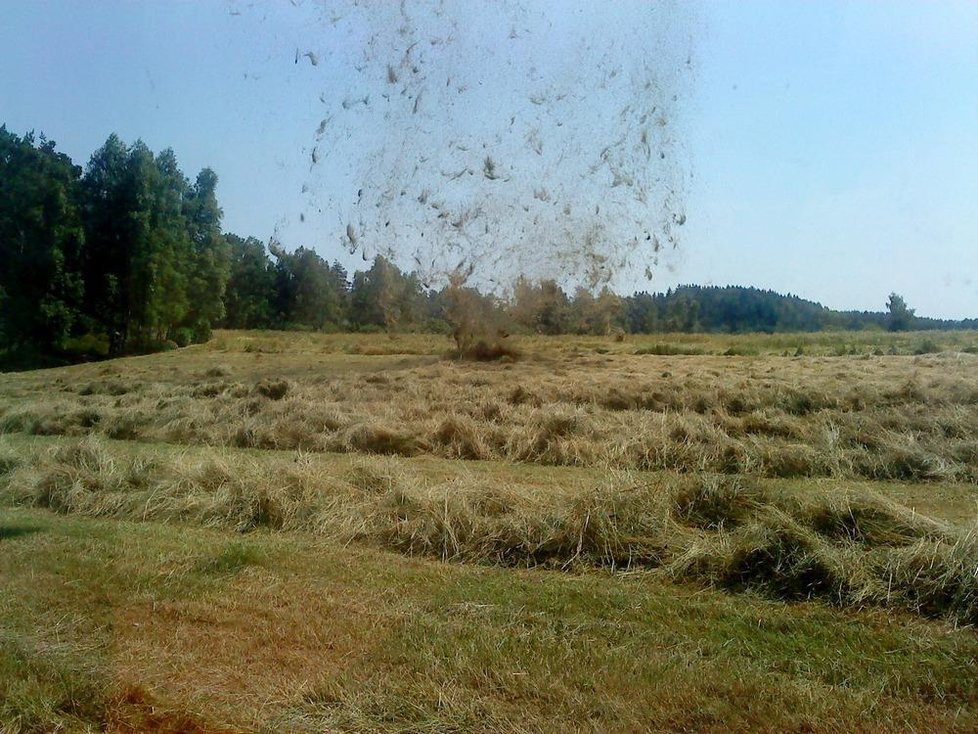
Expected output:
(882, 418)
(850, 550)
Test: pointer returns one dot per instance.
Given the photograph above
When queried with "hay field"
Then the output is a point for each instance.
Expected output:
(303, 532)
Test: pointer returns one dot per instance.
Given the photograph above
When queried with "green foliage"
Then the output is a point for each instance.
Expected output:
(41, 242)
(182, 337)
(307, 290)
(542, 308)
(899, 316)
(113, 260)
(250, 295)
(156, 259)
(927, 346)
(88, 344)
(386, 297)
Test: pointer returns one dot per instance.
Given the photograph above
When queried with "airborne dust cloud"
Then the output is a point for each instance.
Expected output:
(482, 142)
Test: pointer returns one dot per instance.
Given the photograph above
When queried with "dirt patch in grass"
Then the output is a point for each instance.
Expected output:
(260, 641)
(135, 711)
(486, 351)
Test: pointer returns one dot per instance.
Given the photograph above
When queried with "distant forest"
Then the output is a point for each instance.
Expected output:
(128, 256)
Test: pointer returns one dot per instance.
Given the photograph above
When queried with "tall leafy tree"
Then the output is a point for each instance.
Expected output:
(308, 291)
(598, 315)
(109, 199)
(156, 260)
(387, 297)
(541, 307)
(208, 265)
(41, 240)
(250, 293)
(900, 317)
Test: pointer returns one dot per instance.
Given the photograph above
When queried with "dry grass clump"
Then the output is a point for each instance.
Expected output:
(124, 426)
(273, 389)
(849, 550)
(548, 437)
(136, 710)
(520, 395)
(462, 438)
(107, 387)
(716, 503)
(80, 477)
(372, 438)
(934, 579)
(373, 477)
(907, 460)
(776, 555)
(868, 520)
(43, 418)
(787, 459)
(9, 460)
(460, 520)
(209, 389)
(218, 370)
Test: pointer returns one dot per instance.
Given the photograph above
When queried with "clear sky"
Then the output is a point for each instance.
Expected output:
(827, 149)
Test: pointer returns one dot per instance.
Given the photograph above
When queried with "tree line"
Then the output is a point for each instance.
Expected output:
(128, 255)
(124, 255)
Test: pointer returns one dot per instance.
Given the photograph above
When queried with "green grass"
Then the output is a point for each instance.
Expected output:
(93, 611)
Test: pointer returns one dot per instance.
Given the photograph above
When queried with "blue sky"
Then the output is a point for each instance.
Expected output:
(827, 149)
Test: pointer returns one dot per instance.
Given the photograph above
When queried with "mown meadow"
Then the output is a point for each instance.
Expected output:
(303, 532)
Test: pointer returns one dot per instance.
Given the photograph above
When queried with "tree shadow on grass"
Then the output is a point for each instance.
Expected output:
(11, 532)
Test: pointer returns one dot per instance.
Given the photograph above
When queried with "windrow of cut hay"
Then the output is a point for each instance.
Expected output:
(881, 419)
(846, 549)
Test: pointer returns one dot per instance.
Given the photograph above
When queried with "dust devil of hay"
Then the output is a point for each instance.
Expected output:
(499, 140)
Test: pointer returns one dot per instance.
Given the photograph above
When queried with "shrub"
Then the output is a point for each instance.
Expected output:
(90, 344)
(927, 346)
(182, 337)
(201, 333)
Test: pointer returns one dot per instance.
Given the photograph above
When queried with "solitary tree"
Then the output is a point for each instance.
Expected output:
(900, 316)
